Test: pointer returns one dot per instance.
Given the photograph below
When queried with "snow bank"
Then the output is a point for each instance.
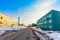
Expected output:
(55, 35)
(11, 28)
(6, 28)
(2, 32)
(38, 29)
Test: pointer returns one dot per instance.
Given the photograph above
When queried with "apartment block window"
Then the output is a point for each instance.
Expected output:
(49, 15)
(50, 20)
(47, 18)
(44, 18)
(45, 22)
(50, 26)
(41, 23)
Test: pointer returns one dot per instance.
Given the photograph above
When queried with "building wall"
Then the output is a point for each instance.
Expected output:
(5, 20)
(50, 21)
(56, 20)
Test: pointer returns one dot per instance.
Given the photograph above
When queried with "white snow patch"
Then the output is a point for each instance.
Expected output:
(11, 28)
(55, 35)
(7, 28)
(2, 32)
(38, 29)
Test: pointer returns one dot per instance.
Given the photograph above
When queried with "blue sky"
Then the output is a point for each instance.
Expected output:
(10, 7)
(13, 5)
(27, 9)
(56, 5)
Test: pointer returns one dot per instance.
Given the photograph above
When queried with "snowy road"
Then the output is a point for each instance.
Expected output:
(23, 34)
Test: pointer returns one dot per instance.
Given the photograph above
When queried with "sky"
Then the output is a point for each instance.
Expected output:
(29, 11)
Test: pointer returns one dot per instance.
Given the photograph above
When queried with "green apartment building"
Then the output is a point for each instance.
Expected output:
(50, 21)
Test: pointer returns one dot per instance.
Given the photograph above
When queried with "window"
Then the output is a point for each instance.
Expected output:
(44, 21)
(1, 17)
(50, 26)
(50, 20)
(44, 18)
(41, 23)
(49, 15)
(47, 18)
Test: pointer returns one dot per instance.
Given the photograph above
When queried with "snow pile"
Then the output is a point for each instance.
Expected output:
(11, 28)
(6, 28)
(38, 29)
(2, 32)
(55, 35)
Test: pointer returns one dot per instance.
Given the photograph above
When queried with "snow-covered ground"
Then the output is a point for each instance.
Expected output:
(6, 28)
(11, 28)
(38, 29)
(54, 34)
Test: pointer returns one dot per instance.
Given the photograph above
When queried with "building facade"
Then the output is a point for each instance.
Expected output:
(7, 21)
(50, 21)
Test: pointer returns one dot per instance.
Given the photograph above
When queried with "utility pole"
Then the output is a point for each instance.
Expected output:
(18, 21)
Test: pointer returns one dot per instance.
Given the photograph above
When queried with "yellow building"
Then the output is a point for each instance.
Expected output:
(5, 20)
